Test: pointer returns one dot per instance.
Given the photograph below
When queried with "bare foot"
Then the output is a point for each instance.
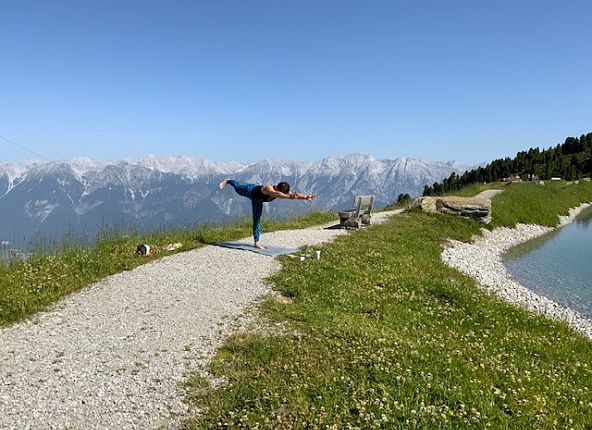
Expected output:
(259, 246)
(223, 183)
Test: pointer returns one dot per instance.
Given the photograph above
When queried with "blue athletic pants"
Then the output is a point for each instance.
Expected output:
(246, 190)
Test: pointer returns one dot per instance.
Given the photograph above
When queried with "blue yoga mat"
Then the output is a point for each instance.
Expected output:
(271, 251)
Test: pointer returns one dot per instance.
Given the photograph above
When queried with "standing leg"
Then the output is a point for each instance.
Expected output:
(257, 211)
(240, 188)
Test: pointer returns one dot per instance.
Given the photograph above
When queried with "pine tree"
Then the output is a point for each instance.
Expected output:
(570, 160)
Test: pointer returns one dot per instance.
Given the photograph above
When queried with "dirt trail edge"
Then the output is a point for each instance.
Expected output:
(114, 354)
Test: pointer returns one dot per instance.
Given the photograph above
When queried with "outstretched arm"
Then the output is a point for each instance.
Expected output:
(270, 191)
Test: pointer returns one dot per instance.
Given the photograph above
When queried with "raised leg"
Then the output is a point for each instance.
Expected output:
(240, 188)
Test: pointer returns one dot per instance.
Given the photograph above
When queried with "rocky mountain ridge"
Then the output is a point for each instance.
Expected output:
(80, 195)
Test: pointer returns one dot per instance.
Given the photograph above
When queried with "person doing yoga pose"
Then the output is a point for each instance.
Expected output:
(259, 194)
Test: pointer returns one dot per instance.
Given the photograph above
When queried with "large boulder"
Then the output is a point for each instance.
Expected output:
(469, 207)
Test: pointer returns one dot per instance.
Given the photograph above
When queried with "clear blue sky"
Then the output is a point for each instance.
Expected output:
(247, 80)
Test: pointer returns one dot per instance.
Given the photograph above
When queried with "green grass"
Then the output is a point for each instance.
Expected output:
(387, 336)
(538, 204)
(529, 202)
(29, 286)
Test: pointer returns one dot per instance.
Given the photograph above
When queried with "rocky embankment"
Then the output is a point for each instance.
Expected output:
(482, 260)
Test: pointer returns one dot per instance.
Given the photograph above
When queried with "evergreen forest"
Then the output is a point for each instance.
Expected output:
(570, 161)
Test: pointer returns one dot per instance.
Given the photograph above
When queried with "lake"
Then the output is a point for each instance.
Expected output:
(558, 265)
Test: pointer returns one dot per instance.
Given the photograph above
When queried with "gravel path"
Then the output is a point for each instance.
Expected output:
(113, 355)
(482, 260)
(487, 194)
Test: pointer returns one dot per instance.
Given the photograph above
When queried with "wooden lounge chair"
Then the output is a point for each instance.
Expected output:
(359, 214)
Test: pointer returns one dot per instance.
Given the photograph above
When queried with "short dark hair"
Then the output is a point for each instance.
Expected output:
(284, 187)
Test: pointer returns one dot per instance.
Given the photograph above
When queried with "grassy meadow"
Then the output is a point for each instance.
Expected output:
(386, 336)
(381, 333)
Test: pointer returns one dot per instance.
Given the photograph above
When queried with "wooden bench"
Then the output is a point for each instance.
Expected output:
(359, 214)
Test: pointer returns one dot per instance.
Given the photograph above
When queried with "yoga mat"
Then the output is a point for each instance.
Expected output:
(270, 251)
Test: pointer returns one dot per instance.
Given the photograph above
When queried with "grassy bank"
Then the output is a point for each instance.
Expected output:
(529, 202)
(387, 336)
(538, 204)
(29, 286)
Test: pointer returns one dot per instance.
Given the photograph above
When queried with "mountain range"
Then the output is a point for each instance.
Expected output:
(81, 195)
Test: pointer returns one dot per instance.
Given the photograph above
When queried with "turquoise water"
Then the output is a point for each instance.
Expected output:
(558, 265)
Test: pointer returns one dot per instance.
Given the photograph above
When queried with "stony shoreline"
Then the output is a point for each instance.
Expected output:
(482, 260)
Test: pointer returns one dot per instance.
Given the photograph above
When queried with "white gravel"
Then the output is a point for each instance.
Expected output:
(115, 355)
(482, 260)
(488, 194)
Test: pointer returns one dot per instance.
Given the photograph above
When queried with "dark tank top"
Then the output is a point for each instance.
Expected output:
(258, 195)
